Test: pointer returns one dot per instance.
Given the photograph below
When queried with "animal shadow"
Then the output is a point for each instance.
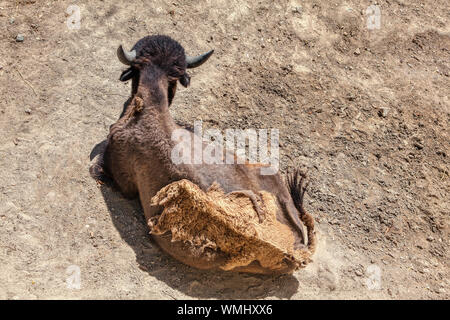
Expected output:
(128, 218)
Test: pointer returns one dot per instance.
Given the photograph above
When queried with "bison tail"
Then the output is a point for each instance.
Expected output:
(297, 188)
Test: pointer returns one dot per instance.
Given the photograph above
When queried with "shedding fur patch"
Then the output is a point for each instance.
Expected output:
(228, 223)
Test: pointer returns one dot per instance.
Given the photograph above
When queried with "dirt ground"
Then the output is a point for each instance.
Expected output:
(365, 111)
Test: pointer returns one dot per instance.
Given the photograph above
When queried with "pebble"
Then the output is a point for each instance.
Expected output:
(297, 9)
(418, 145)
(28, 110)
(357, 52)
(422, 271)
(20, 38)
(11, 21)
(383, 112)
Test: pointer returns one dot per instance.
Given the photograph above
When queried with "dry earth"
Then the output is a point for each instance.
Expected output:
(365, 112)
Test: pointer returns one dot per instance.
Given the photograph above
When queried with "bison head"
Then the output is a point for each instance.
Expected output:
(156, 54)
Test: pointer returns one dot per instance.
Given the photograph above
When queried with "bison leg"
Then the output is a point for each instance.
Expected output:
(97, 161)
(254, 199)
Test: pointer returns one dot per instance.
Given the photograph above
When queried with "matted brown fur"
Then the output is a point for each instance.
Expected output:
(227, 223)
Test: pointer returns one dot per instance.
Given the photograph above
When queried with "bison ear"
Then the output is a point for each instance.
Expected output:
(127, 74)
(185, 80)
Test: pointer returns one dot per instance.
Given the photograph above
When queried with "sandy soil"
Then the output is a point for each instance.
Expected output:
(365, 112)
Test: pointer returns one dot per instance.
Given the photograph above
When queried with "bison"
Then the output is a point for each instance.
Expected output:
(136, 157)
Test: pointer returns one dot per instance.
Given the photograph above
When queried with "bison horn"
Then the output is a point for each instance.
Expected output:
(126, 57)
(193, 62)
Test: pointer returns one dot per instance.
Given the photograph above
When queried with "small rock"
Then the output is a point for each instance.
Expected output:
(11, 21)
(430, 238)
(424, 270)
(357, 52)
(297, 9)
(28, 110)
(20, 38)
(235, 37)
(383, 112)
(334, 222)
